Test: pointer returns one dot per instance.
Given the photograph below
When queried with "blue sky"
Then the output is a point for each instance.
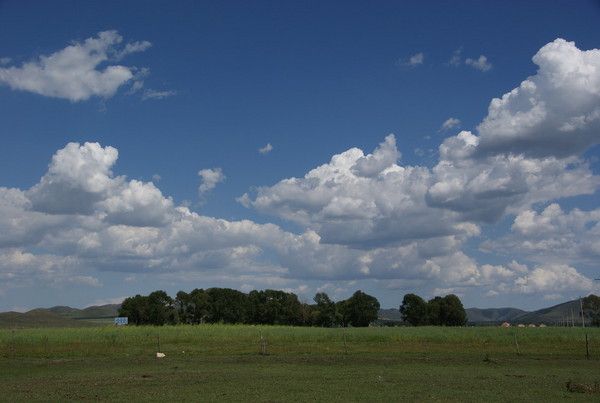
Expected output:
(504, 213)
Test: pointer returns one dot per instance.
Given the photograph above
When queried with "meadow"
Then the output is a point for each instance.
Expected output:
(229, 362)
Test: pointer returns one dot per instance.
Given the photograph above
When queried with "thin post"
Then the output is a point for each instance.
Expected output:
(345, 344)
(12, 344)
(517, 343)
(582, 315)
(263, 345)
(158, 342)
(587, 347)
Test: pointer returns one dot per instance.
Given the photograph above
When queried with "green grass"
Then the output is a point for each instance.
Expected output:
(222, 362)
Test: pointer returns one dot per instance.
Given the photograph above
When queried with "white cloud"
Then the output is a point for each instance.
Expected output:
(153, 94)
(209, 179)
(553, 279)
(450, 123)
(362, 217)
(361, 200)
(481, 63)
(78, 176)
(553, 236)
(485, 188)
(415, 60)
(266, 149)
(73, 73)
(456, 59)
(383, 157)
(132, 47)
(555, 112)
(5, 60)
(85, 280)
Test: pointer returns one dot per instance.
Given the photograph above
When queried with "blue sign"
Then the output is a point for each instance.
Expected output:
(121, 321)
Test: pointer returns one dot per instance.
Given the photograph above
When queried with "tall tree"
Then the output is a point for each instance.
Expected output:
(325, 310)
(227, 305)
(160, 309)
(414, 310)
(136, 309)
(591, 309)
(361, 309)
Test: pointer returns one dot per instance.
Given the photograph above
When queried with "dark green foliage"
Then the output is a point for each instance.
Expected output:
(414, 310)
(439, 311)
(136, 309)
(591, 309)
(324, 313)
(154, 309)
(273, 307)
(267, 307)
(360, 309)
(227, 306)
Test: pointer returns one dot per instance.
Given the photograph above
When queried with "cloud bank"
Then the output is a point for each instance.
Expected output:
(363, 216)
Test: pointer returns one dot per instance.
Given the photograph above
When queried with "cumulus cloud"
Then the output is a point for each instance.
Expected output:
(484, 189)
(481, 63)
(209, 178)
(363, 216)
(553, 279)
(552, 236)
(73, 73)
(266, 149)
(78, 177)
(449, 123)
(361, 200)
(555, 112)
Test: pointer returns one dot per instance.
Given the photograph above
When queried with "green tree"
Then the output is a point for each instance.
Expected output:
(199, 305)
(324, 314)
(360, 309)
(414, 310)
(591, 309)
(227, 305)
(454, 313)
(275, 307)
(160, 309)
(183, 305)
(136, 309)
(446, 311)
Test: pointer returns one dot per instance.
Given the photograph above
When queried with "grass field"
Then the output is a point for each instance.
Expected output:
(221, 362)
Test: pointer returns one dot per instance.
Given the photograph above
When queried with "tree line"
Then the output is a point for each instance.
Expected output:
(226, 305)
(439, 311)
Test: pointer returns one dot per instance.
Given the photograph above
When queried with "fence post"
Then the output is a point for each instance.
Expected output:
(587, 347)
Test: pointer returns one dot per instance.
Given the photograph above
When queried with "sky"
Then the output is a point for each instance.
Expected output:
(392, 147)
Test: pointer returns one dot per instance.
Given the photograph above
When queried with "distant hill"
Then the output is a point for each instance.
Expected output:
(92, 312)
(566, 311)
(556, 314)
(60, 316)
(496, 315)
(37, 318)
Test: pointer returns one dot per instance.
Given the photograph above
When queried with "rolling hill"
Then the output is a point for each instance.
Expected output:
(565, 312)
(60, 316)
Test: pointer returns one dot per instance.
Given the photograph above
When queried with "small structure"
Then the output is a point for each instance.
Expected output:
(121, 321)
(520, 325)
(542, 325)
(505, 324)
(531, 325)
